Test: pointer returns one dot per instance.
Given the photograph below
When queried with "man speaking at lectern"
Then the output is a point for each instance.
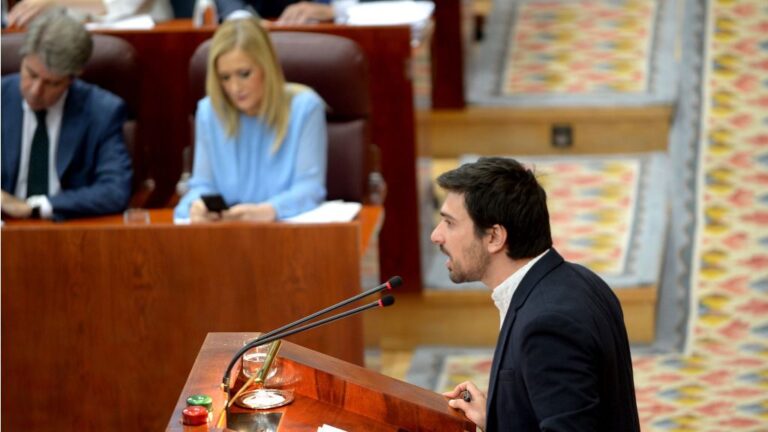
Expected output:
(562, 360)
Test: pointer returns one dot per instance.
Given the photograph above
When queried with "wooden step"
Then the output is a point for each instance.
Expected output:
(517, 131)
(469, 318)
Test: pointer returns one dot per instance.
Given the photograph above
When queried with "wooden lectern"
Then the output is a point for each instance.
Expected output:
(326, 391)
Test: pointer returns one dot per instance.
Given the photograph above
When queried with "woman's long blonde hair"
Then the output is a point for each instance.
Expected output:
(247, 35)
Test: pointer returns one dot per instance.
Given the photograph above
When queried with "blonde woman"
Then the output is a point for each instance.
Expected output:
(260, 143)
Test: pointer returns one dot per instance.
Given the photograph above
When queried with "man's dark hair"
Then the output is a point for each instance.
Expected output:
(502, 191)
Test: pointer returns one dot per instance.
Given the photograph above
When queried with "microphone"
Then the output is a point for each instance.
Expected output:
(385, 301)
(389, 285)
(392, 283)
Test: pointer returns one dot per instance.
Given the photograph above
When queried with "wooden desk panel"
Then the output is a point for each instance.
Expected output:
(370, 218)
(101, 322)
(164, 54)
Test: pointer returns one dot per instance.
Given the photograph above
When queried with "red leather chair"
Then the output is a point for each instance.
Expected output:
(336, 68)
(113, 67)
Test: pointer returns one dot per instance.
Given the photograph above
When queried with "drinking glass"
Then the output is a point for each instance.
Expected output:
(262, 397)
(134, 216)
(253, 360)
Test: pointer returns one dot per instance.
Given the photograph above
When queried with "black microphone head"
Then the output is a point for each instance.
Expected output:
(387, 300)
(394, 282)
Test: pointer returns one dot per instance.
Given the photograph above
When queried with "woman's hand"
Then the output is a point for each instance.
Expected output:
(474, 410)
(250, 212)
(198, 212)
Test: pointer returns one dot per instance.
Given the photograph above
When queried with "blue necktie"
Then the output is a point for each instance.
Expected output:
(37, 178)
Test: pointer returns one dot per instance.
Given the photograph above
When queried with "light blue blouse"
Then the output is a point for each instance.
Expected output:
(243, 168)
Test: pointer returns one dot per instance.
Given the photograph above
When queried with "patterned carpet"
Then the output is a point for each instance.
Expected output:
(720, 381)
(580, 47)
(577, 53)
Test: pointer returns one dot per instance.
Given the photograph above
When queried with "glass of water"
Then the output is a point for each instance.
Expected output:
(253, 360)
(260, 396)
(135, 216)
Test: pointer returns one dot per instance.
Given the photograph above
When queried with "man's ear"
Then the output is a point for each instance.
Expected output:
(497, 238)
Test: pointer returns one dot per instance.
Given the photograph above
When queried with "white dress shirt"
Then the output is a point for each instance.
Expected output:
(53, 118)
(502, 294)
(159, 10)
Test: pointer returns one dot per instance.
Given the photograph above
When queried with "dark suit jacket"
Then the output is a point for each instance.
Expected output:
(92, 162)
(562, 361)
(265, 8)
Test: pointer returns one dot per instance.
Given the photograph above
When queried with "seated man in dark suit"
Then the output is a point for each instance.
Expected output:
(286, 11)
(63, 154)
(290, 12)
(562, 360)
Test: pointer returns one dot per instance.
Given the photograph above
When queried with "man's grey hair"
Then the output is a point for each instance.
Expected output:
(62, 43)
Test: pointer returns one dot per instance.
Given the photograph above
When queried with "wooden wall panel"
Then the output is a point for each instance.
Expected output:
(101, 324)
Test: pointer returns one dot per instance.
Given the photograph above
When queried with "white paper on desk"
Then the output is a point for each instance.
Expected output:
(181, 221)
(326, 428)
(136, 22)
(414, 13)
(329, 211)
(390, 12)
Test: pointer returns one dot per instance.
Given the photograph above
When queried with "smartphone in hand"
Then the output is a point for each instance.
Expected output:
(214, 202)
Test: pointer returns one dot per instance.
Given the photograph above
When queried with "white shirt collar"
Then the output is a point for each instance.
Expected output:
(57, 109)
(502, 294)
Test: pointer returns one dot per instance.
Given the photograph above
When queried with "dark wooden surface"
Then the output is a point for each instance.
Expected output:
(101, 321)
(447, 56)
(164, 54)
(328, 391)
(370, 218)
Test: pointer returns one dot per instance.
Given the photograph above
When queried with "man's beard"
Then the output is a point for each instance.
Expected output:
(476, 264)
